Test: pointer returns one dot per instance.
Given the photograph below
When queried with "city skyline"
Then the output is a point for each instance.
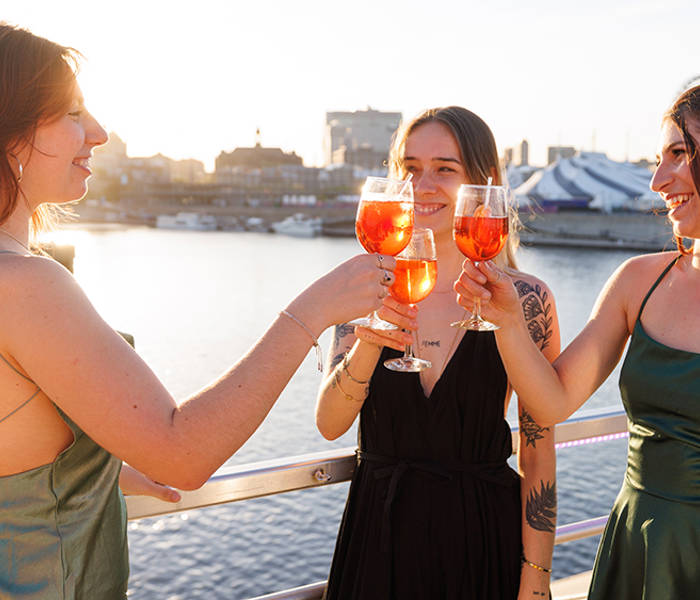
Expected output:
(192, 81)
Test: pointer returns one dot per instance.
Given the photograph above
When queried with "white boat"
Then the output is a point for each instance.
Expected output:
(298, 225)
(187, 220)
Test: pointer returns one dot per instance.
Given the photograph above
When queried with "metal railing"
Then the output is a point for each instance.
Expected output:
(265, 478)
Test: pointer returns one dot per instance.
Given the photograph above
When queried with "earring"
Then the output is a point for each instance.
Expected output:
(20, 168)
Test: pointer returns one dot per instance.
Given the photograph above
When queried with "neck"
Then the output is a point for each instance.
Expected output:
(450, 261)
(14, 233)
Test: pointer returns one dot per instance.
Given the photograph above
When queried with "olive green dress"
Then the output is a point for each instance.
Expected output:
(651, 546)
(63, 527)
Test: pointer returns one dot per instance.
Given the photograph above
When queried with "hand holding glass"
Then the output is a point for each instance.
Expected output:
(480, 231)
(384, 225)
(416, 274)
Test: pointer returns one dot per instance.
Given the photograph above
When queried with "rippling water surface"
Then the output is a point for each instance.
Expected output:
(195, 301)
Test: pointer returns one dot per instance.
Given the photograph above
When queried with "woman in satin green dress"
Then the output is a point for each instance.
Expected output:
(75, 399)
(651, 545)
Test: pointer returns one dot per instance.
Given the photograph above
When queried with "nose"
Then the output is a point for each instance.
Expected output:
(661, 178)
(95, 134)
(423, 184)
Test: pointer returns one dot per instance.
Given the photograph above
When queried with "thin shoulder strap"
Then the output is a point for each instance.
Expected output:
(7, 362)
(656, 283)
(27, 401)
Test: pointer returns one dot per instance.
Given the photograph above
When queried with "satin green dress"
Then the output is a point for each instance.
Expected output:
(63, 527)
(650, 549)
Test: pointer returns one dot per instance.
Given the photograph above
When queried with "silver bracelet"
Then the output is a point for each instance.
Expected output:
(319, 354)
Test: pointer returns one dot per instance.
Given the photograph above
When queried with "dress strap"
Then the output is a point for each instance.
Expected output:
(27, 401)
(655, 285)
(9, 364)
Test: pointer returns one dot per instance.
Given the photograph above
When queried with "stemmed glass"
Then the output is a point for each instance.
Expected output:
(480, 230)
(416, 274)
(384, 225)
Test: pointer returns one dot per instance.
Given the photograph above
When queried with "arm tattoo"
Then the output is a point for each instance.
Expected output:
(536, 309)
(341, 331)
(530, 429)
(541, 507)
(337, 359)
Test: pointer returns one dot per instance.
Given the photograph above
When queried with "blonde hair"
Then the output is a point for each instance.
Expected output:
(479, 155)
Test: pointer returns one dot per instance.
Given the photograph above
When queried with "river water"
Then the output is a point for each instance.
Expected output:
(195, 301)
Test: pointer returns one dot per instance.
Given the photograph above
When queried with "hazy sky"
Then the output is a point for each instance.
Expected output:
(190, 79)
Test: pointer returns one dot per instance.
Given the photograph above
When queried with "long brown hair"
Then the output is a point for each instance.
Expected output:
(477, 147)
(37, 79)
(684, 110)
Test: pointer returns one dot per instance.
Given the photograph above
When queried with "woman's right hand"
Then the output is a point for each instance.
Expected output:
(353, 289)
(499, 298)
(401, 315)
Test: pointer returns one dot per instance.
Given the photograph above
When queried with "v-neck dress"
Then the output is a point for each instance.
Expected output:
(651, 545)
(434, 509)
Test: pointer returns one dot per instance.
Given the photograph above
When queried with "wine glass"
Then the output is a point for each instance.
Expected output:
(384, 225)
(416, 274)
(480, 230)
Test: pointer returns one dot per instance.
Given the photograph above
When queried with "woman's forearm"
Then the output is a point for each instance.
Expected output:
(345, 389)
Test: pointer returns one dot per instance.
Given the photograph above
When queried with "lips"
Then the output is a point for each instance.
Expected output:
(83, 163)
(425, 209)
(676, 200)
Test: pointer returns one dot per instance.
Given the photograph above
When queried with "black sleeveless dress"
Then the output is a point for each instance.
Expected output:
(433, 510)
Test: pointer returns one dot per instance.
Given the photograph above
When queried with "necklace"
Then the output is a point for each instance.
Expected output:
(452, 345)
(8, 234)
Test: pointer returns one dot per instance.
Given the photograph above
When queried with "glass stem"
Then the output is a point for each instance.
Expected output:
(476, 312)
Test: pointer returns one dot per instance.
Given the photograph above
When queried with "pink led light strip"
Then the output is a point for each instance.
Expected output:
(592, 440)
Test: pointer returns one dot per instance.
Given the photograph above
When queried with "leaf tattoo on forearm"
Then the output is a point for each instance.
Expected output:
(530, 429)
(541, 507)
(536, 309)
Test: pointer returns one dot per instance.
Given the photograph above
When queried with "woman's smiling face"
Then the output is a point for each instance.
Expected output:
(673, 180)
(432, 155)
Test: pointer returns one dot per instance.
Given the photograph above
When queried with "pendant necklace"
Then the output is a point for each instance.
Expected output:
(452, 345)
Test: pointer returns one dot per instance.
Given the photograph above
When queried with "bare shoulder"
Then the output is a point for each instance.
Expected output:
(633, 278)
(539, 309)
(35, 289)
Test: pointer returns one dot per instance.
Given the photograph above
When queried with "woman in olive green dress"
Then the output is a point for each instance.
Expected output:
(651, 545)
(75, 399)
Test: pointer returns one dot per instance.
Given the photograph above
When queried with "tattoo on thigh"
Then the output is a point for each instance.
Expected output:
(537, 309)
(530, 429)
(541, 507)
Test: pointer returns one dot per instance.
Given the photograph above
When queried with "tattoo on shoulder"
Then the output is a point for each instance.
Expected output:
(537, 309)
(530, 429)
(541, 507)
(341, 331)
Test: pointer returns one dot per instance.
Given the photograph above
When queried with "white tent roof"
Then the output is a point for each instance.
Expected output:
(592, 180)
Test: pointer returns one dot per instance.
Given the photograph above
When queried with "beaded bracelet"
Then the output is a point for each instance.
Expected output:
(342, 391)
(525, 561)
(345, 368)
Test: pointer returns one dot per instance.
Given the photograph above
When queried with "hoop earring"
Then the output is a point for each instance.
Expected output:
(20, 168)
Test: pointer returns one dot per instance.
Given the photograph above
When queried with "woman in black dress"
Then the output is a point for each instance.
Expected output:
(434, 510)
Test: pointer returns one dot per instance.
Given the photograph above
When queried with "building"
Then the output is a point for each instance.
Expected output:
(556, 152)
(361, 138)
(518, 156)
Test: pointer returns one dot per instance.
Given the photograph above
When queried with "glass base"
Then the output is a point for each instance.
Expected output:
(407, 364)
(373, 322)
(475, 324)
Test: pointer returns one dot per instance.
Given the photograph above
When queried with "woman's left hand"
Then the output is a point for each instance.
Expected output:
(135, 483)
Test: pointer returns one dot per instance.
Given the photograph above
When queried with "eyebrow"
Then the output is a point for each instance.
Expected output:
(437, 158)
(671, 146)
